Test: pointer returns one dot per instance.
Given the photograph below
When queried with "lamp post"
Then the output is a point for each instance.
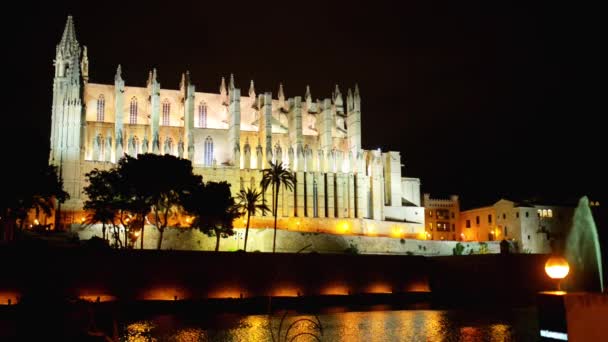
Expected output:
(558, 268)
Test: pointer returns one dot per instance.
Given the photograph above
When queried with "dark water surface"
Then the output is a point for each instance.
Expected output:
(378, 325)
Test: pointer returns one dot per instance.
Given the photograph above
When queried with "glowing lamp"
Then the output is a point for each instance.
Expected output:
(557, 267)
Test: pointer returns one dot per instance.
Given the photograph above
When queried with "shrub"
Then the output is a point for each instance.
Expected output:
(458, 249)
(352, 249)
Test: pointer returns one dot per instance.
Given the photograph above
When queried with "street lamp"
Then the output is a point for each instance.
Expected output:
(557, 267)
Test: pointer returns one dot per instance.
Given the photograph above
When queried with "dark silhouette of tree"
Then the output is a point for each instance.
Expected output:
(249, 202)
(213, 208)
(103, 200)
(276, 176)
(139, 186)
(39, 191)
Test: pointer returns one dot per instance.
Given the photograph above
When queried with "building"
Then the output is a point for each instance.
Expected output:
(441, 218)
(232, 136)
(533, 227)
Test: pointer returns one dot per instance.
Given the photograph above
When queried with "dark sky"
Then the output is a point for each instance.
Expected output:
(483, 98)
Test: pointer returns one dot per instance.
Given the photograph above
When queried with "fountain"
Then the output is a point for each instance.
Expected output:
(580, 313)
(582, 251)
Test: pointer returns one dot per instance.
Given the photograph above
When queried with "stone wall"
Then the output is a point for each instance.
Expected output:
(293, 241)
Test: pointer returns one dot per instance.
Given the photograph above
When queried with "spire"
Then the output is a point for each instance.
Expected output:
(84, 65)
(349, 101)
(251, 90)
(182, 83)
(231, 82)
(223, 90)
(356, 90)
(308, 96)
(68, 44)
(118, 76)
(281, 94)
(338, 101)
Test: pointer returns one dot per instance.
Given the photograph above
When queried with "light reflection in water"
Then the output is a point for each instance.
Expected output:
(405, 325)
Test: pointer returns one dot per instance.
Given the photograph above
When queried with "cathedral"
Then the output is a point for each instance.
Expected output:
(232, 135)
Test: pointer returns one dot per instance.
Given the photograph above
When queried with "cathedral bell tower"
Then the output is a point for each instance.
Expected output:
(67, 118)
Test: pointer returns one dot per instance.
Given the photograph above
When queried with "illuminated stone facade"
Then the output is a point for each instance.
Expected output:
(441, 217)
(532, 226)
(229, 136)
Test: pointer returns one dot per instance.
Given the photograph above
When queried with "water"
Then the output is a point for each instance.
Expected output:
(583, 251)
(369, 326)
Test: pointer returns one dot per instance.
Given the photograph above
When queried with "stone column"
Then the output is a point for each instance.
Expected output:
(353, 120)
(119, 90)
(265, 128)
(300, 176)
(189, 119)
(325, 133)
(234, 127)
(155, 114)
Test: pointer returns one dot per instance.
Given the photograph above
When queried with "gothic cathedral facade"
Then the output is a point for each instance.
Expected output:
(230, 136)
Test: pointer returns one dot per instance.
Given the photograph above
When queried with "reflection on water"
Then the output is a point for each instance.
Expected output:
(406, 325)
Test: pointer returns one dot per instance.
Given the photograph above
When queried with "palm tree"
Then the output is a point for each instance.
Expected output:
(250, 201)
(276, 175)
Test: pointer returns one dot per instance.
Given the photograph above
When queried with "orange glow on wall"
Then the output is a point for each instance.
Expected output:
(396, 232)
(6, 295)
(343, 227)
(421, 286)
(163, 293)
(335, 289)
(379, 288)
(227, 292)
(285, 291)
(93, 298)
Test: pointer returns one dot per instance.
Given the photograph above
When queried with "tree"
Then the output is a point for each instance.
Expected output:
(173, 180)
(276, 176)
(250, 201)
(213, 208)
(102, 202)
(154, 184)
(39, 191)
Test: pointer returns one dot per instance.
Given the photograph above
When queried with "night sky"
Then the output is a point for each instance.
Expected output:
(482, 99)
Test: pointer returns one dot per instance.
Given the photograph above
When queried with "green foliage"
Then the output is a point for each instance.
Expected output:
(409, 253)
(351, 249)
(483, 248)
(402, 241)
(458, 249)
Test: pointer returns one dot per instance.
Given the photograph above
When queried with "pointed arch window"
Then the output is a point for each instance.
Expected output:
(202, 115)
(101, 107)
(208, 160)
(166, 112)
(133, 111)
